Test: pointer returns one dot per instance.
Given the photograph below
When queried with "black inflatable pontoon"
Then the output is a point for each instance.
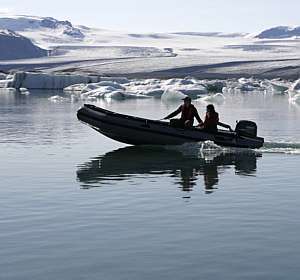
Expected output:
(140, 131)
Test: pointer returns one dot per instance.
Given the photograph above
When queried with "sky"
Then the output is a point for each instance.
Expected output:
(164, 15)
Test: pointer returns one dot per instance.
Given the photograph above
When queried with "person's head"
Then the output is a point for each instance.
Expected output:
(210, 108)
(187, 101)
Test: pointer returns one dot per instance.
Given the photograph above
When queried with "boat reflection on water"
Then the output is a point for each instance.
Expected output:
(185, 167)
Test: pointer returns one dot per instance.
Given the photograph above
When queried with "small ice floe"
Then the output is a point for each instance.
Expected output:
(215, 86)
(24, 91)
(75, 88)
(156, 93)
(90, 87)
(279, 87)
(217, 98)
(2, 76)
(188, 86)
(170, 82)
(116, 95)
(45, 81)
(57, 98)
(294, 92)
(172, 95)
(246, 87)
(295, 86)
(110, 84)
(243, 85)
(132, 95)
(118, 80)
(193, 91)
(122, 95)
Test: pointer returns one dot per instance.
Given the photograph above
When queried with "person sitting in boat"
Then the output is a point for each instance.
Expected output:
(188, 113)
(211, 119)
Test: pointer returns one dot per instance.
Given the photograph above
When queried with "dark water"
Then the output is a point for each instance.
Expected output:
(76, 205)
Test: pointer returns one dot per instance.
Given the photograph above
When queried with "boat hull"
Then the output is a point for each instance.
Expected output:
(139, 131)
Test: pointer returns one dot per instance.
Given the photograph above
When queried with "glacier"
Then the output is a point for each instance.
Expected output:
(81, 50)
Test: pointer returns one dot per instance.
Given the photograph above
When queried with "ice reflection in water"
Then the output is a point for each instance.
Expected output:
(185, 167)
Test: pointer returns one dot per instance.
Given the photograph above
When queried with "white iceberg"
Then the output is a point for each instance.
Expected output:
(294, 90)
(117, 95)
(57, 98)
(279, 87)
(295, 86)
(172, 95)
(2, 76)
(217, 98)
(45, 81)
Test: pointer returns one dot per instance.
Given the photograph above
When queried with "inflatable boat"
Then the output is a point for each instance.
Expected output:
(139, 131)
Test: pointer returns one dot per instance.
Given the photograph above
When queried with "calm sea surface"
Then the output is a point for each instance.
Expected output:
(77, 205)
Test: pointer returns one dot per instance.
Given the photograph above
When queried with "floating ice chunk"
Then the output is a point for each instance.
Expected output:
(101, 91)
(89, 87)
(187, 81)
(279, 87)
(92, 86)
(245, 87)
(294, 89)
(295, 86)
(157, 93)
(111, 84)
(121, 95)
(5, 83)
(142, 87)
(45, 81)
(193, 91)
(117, 95)
(119, 80)
(172, 95)
(57, 98)
(2, 76)
(74, 88)
(217, 98)
(215, 86)
(243, 81)
(244, 84)
(132, 95)
(171, 82)
(24, 91)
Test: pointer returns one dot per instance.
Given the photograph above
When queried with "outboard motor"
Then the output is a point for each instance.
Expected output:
(246, 128)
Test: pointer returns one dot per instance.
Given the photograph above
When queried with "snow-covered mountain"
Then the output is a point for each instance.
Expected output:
(43, 29)
(95, 50)
(280, 32)
(16, 46)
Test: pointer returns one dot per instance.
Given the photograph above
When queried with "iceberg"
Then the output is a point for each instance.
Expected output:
(295, 86)
(215, 86)
(279, 87)
(31, 80)
(294, 91)
(57, 98)
(217, 98)
(2, 76)
(172, 95)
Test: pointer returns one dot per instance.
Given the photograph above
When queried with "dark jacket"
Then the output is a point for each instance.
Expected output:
(187, 113)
